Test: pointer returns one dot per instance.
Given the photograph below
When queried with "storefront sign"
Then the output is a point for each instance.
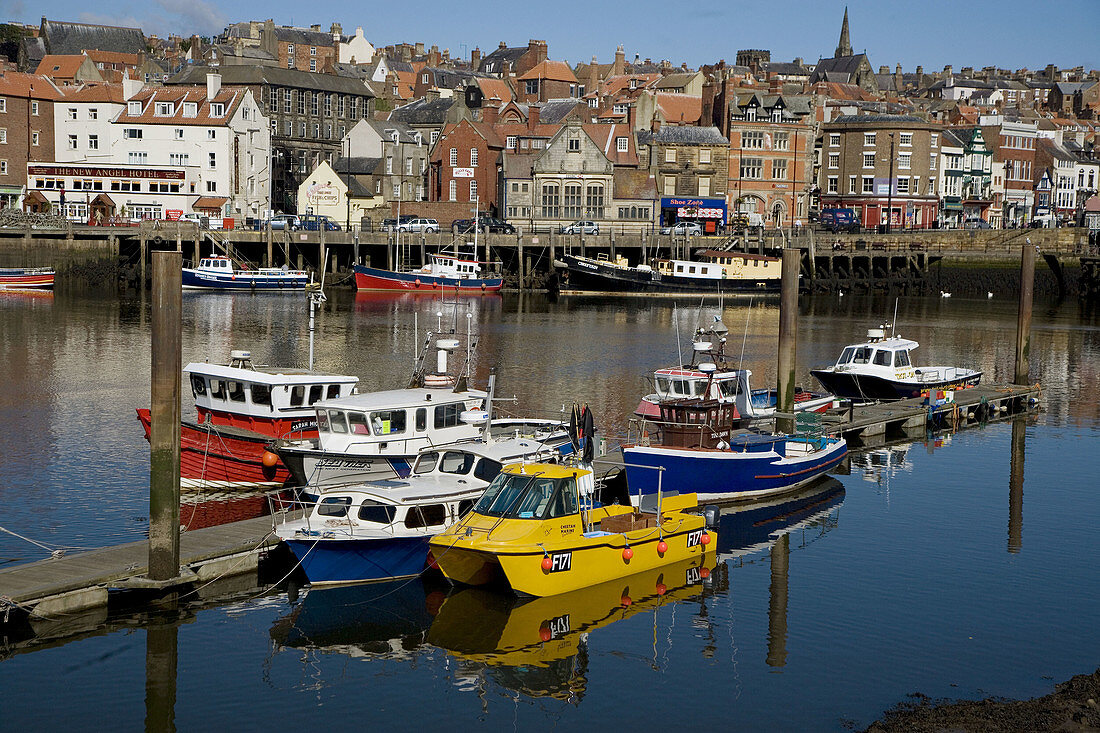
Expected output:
(322, 193)
(689, 212)
(81, 171)
(462, 172)
(173, 214)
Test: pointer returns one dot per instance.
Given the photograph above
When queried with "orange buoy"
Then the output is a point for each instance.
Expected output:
(705, 539)
(627, 553)
(547, 563)
(545, 633)
(661, 589)
(625, 600)
(417, 282)
(662, 547)
(269, 459)
(704, 573)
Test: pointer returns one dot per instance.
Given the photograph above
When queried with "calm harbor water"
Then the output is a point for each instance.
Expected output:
(924, 568)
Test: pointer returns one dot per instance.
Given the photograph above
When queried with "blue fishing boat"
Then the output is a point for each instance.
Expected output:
(219, 273)
(695, 449)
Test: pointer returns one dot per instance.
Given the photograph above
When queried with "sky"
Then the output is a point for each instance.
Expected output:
(1009, 34)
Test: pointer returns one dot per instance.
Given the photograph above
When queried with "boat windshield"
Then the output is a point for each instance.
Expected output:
(426, 462)
(528, 497)
(855, 355)
(901, 359)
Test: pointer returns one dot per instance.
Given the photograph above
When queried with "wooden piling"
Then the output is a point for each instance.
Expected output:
(270, 244)
(143, 253)
(788, 338)
(1016, 486)
(164, 438)
(1023, 322)
(777, 601)
(161, 664)
(519, 264)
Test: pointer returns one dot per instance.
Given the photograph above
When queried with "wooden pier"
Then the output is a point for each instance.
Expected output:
(74, 583)
(861, 424)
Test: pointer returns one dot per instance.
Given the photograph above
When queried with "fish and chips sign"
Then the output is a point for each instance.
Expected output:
(323, 194)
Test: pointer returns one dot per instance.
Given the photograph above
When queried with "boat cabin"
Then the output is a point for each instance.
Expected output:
(696, 423)
(216, 263)
(453, 266)
(270, 401)
(888, 356)
(536, 493)
(375, 510)
(397, 421)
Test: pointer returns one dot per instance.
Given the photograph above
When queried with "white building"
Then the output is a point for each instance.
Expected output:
(357, 49)
(158, 153)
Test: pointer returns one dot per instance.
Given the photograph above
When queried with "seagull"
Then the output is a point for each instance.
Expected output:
(989, 294)
(945, 294)
(840, 293)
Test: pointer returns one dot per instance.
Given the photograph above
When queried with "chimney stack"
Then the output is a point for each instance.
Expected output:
(655, 123)
(533, 116)
(475, 59)
(620, 61)
(490, 111)
(213, 85)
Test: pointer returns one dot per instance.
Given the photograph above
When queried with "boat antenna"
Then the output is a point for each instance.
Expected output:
(894, 323)
(469, 338)
(679, 351)
(745, 338)
(416, 338)
(316, 295)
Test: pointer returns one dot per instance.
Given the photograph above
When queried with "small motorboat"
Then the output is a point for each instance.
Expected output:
(694, 446)
(219, 273)
(443, 273)
(540, 530)
(380, 530)
(24, 278)
(880, 369)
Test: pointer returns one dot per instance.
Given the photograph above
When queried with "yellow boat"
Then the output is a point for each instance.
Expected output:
(536, 530)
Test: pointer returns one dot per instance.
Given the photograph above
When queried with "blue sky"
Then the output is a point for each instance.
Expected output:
(1007, 33)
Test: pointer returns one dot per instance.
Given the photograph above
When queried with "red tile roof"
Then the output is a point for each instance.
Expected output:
(96, 93)
(684, 108)
(15, 84)
(607, 137)
(552, 70)
(60, 67)
(495, 89)
(113, 57)
(230, 96)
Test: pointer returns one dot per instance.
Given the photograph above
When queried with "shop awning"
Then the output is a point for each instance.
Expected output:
(35, 197)
(209, 203)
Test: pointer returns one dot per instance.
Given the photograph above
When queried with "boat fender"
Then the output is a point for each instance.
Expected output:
(661, 589)
(547, 563)
(269, 459)
(627, 554)
(711, 514)
(417, 282)
(662, 547)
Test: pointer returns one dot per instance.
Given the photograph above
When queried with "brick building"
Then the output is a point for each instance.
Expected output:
(1013, 145)
(880, 163)
(465, 165)
(26, 130)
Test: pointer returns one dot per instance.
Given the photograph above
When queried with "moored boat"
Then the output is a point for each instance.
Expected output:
(379, 530)
(695, 447)
(443, 273)
(880, 369)
(219, 273)
(716, 272)
(21, 278)
(539, 529)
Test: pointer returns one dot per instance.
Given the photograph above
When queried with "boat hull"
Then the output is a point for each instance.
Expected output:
(335, 561)
(724, 475)
(871, 388)
(22, 279)
(213, 457)
(373, 279)
(244, 280)
(585, 275)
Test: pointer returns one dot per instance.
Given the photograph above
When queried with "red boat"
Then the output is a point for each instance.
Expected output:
(445, 273)
(20, 278)
(241, 409)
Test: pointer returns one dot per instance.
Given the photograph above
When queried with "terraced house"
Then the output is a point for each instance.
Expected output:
(691, 168)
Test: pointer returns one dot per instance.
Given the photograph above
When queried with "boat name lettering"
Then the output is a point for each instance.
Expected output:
(559, 626)
(303, 425)
(695, 537)
(341, 463)
(693, 576)
(568, 529)
(587, 265)
(560, 561)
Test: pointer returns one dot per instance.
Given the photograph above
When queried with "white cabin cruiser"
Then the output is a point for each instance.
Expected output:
(880, 369)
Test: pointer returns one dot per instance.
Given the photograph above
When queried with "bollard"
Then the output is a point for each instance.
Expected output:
(1023, 321)
(164, 436)
(788, 339)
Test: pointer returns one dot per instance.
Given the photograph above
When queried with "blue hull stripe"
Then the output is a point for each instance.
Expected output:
(429, 280)
(357, 561)
(243, 281)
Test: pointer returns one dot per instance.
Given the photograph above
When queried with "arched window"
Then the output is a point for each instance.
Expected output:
(594, 201)
(551, 201)
(573, 201)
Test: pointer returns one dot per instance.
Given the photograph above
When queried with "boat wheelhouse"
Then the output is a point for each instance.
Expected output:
(219, 273)
(880, 369)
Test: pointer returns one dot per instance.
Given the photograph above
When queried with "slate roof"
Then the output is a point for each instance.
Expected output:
(683, 135)
(674, 81)
(406, 134)
(244, 52)
(862, 119)
(74, 38)
(302, 36)
(273, 75)
(360, 165)
(554, 111)
(954, 138)
(424, 111)
(787, 68)
(494, 62)
(840, 68)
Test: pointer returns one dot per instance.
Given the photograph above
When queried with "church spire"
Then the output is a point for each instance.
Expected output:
(844, 48)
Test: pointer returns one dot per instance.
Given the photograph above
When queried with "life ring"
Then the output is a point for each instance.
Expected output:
(438, 380)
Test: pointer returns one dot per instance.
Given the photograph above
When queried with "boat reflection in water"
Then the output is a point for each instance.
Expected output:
(209, 508)
(539, 646)
(377, 621)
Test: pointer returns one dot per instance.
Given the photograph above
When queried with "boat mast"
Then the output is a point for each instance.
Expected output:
(316, 295)
(476, 217)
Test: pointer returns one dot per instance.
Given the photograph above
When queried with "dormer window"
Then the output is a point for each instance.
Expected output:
(190, 109)
(394, 135)
(750, 113)
(217, 110)
(622, 144)
(133, 108)
(633, 83)
(165, 109)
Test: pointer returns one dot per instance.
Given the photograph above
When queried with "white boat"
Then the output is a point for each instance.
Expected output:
(379, 530)
(880, 369)
(219, 273)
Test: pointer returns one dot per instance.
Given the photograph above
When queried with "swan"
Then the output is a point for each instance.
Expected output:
(945, 294)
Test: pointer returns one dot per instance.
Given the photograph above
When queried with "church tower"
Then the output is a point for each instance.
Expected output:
(844, 48)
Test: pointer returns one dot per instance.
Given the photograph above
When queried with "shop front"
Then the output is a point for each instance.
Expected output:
(709, 212)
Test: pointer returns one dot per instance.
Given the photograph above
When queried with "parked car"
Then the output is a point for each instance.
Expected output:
(314, 223)
(279, 222)
(419, 225)
(684, 228)
(202, 220)
(840, 220)
(390, 224)
(579, 227)
(484, 224)
(975, 222)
